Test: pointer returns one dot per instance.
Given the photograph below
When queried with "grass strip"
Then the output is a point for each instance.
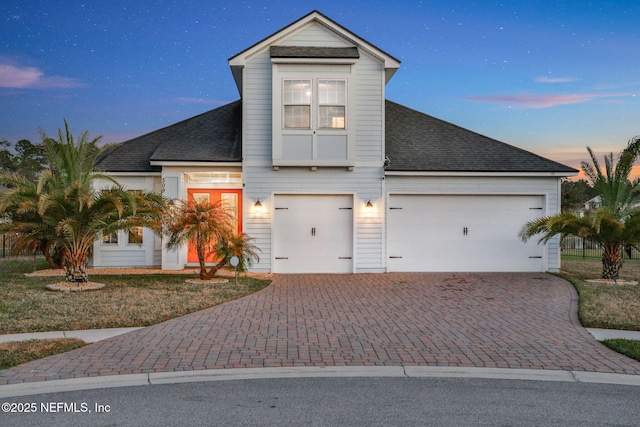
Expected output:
(19, 352)
(630, 348)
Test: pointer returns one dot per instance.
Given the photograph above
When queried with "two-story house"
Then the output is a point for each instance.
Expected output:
(328, 176)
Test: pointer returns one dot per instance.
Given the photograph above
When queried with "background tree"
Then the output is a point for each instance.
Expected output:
(63, 213)
(7, 164)
(614, 223)
(30, 159)
(22, 157)
(575, 194)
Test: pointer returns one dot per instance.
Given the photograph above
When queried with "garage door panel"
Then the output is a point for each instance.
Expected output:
(461, 233)
(313, 234)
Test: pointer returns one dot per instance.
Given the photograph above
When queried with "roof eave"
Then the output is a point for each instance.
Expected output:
(558, 174)
(196, 163)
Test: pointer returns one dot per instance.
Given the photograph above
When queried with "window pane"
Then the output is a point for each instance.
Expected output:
(332, 117)
(297, 92)
(135, 236)
(201, 198)
(297, 116)
(110, 239)
(230, 204)
(332, 92)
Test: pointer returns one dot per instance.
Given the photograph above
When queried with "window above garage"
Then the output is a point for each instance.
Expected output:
(312, 106)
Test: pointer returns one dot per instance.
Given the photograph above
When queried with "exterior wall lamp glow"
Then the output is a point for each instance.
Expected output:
(369, 206)
(258, 206)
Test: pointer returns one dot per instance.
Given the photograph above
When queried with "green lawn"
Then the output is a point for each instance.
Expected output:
(125, 301)
(602, 305)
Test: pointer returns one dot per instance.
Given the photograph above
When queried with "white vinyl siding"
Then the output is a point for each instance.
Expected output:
(368, 118)
(126, 252)
(315, 35)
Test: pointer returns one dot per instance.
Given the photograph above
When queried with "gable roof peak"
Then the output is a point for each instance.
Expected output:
(238, 61)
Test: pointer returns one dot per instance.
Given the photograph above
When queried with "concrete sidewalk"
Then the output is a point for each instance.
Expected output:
(88, 335)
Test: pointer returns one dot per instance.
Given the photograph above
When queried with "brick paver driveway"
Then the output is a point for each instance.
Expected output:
(430, 319)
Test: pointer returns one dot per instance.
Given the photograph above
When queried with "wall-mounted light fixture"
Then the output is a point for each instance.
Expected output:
(369, 206)
(258, 206)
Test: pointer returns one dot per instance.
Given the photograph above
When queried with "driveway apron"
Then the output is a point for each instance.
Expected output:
(496, 320)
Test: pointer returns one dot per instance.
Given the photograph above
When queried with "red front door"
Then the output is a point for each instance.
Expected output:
(231, 200)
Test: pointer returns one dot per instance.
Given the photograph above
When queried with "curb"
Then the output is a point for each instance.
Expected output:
(157, 378)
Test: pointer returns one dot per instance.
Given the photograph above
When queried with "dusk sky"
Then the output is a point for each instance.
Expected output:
(551, 76)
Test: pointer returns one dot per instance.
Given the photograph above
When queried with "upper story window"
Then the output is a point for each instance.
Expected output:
(332, 99)
(299, 99)
(297, 104)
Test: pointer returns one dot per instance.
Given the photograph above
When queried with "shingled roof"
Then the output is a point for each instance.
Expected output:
(214, 136)
(313, 52)
(417, 142)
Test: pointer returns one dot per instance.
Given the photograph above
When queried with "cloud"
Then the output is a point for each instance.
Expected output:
(544, 79)
(13, 76)
(544, 101)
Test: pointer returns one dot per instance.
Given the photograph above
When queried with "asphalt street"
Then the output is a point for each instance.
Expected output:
(336, 402)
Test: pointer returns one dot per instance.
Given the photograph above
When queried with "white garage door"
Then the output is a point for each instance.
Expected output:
(462, 233)
(313, 234)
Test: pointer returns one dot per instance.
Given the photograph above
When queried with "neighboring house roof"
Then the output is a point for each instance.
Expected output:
(415, 142)
(418, 142)
(214, 136)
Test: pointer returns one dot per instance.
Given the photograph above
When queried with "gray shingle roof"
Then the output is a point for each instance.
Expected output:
(313, 52)
(414, 142)
(418, 142)
(214, 136)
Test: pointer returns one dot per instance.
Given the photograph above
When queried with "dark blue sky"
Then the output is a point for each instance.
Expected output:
(548, 76)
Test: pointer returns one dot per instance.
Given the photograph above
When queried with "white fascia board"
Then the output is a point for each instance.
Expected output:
(187, 164)
(454, 173)
(110, 173)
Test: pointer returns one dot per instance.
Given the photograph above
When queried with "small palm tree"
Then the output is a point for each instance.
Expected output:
(202, 223)
(63, 214)
(614, 223)
(239, 245)
(211, 229)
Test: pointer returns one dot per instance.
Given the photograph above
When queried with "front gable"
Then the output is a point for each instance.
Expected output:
(319, 31)
(321, 88)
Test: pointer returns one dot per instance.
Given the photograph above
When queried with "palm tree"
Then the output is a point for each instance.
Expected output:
(211, 229)
(239, 245)
(614, 223)
(202, 223)
(62, 213)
